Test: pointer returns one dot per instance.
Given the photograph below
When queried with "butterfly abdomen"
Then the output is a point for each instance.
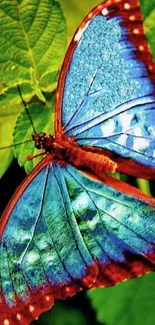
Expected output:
(67, 151)
(79, 157)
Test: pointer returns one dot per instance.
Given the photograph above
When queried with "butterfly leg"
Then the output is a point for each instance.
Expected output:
(39, 154)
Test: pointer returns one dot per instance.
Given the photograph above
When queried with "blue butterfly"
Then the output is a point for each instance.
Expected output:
(70, 225)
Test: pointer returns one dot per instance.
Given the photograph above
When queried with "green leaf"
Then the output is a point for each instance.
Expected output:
(147, 7)
(10, 97)
(35, 84)
(49, 81)
(10, 107)
(143, 185)
(150, 28)
(8, 118)
(148, 10)
(75, 11)
(60, 315)
(33, 35)
(32, 42)
(42, 118)
(130, 302)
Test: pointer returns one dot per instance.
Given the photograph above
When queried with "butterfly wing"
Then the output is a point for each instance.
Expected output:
(107, 87)
(63, 231)
(42, 253)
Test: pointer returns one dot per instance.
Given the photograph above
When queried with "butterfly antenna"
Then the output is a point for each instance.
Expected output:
(16, 144)
(28, 113)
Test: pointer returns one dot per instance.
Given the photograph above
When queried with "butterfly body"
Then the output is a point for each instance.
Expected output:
(69, 225)
(65, 151)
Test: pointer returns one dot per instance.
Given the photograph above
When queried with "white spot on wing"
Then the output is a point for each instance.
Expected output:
(132, 18)
(150, 67)
(136, 31)
(126, 121)
(141, 48)
(31, 308)
(108, 128)
(137, 131)
(32, 257)
(123, 139)
(105, 12)
(140, 144)
(81, 202)
(6, 322)
(47, 298)
(18, 316)
(127, 6)
(79, 34)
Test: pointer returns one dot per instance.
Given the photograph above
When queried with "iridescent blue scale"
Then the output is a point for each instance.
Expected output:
(56, 242)
(113, 106)
(66, 229)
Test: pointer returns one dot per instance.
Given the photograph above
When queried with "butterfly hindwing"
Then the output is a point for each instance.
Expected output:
(41, 249)
(108, 96)
(77, 232)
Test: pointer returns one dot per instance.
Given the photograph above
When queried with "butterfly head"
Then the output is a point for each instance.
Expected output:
(43, 141)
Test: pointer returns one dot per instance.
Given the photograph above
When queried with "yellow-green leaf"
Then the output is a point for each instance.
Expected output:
(7, 121)
(33, 35)
(42, 118)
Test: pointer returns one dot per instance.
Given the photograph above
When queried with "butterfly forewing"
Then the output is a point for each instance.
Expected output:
(64, 229)
(108, 96)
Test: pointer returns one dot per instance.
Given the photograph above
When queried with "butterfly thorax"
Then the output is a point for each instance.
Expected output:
(65, 150)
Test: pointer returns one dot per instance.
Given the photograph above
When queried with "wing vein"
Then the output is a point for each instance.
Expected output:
(108, 213)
